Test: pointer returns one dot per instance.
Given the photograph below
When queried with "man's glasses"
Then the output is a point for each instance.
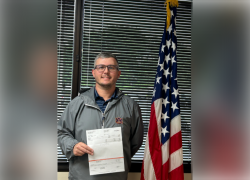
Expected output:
(111, 68)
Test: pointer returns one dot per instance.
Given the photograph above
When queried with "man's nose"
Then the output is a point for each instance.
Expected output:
(106, 70)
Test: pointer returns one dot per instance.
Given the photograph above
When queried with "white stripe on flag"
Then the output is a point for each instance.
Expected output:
(158, 111)
(176, 159)
(165, 150)
(175, 125)
(149, 172)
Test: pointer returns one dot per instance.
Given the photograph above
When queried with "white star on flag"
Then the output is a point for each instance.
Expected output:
(162, 48)
(167, 58)
(164, 116)
(164, 131)
(170, 29)
(173, 61)
(174, 106)
(173, 46)
(165, 87)
(176, 92)
(154, 92)
(159, 61)
(165, 101)
(162, 66)
(166, 72)
(158, 80)
(175, 32)
(168, 44)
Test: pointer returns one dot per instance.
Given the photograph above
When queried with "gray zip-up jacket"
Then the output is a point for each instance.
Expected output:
(82, 114)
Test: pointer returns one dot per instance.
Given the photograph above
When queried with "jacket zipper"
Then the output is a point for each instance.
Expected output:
(103, 114)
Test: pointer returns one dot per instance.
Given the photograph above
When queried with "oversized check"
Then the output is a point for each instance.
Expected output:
(108, 150)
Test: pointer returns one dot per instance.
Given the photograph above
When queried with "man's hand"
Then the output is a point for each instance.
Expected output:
(81, 148)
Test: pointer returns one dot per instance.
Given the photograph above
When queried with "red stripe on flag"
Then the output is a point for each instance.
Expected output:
(165, 169)
(175, 142)
(154, 143)
(177, 174)
(142, 171)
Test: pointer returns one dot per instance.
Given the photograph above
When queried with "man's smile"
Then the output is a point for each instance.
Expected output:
(106, 77)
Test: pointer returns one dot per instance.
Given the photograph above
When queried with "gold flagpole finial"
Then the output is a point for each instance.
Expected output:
(172, 3)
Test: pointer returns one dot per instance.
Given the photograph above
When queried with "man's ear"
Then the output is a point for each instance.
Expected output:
(119, 73)
(93, 72)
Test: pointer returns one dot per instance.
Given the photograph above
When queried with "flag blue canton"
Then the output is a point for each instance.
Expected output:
(165, 86)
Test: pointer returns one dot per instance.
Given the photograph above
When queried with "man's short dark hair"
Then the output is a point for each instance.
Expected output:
(106, 55)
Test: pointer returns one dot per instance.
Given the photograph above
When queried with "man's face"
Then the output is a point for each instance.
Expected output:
(107, 78)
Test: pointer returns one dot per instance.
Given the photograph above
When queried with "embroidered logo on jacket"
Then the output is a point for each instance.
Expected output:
(119, 120)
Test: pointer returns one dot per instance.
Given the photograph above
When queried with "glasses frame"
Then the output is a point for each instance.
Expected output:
(108, 66)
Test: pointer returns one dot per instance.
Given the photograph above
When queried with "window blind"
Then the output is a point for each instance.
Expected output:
(65, 39)
(132, 30)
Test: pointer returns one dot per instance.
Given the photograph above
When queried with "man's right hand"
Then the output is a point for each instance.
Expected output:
(81, 148)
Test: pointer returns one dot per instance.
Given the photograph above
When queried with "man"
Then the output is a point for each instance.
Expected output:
(103, 106)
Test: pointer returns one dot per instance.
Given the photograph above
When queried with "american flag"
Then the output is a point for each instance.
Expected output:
(163, 150)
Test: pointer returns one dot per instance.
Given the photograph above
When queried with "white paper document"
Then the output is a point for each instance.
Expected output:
(108, 150)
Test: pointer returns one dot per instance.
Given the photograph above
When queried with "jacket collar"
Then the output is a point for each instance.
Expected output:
(89, 96)
(114, 95)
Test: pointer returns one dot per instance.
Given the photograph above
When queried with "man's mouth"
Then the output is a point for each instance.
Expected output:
(106, 77)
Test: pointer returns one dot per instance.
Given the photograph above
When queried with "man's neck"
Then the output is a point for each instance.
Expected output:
(105, 93)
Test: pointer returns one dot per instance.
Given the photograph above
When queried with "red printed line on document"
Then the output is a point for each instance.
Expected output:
(105, 159)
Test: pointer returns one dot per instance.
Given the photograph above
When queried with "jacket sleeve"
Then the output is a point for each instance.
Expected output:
(66, 129)
(136, 136)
